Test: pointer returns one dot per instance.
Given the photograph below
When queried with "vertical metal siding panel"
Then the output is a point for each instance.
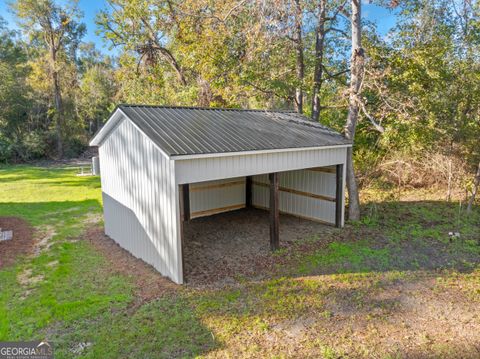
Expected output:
(302, 180)
(139, 199)
(168, 219)
(154, 202)
(204, 199)
(163, 204)
(344, 184)
(311, 182)
(260, 197)
(178, 224)
(215, 168)
(162, 194)
(176, 266)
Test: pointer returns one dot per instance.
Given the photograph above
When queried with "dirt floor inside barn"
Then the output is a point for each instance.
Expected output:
(225, 246)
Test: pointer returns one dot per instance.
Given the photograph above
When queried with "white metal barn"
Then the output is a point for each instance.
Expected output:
(161, 166)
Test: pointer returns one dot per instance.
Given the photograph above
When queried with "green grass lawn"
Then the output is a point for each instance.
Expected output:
(78, 300)
(358, 296)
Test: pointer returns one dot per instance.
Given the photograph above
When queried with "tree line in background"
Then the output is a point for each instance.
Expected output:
(409, 98)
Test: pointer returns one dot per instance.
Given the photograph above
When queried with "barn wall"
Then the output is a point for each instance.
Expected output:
(140, 199)
(214, 168)
(207, 198)
(294, 190)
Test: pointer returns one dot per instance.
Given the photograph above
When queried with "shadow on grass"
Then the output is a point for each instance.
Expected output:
(165, 328)
(38, 213)
(10, 174)
(90, 181)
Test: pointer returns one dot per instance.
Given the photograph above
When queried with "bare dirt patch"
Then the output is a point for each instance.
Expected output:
(92, 219)
(22, 242)
(150, 284)
(406, 319)
(43, 239)
(379, 316)
(218, 249)
(26, 278)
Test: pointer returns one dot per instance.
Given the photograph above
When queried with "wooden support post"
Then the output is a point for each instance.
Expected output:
(274, 212)
(339, 196)
(186, 201)
(248, 191)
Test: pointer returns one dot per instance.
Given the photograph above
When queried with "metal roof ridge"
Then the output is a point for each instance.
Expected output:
(206, 108)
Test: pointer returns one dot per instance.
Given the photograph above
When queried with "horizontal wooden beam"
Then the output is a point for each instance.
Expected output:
(313, 219)
(323, 169)
(297, 192)
(196, 188)
(209, 212)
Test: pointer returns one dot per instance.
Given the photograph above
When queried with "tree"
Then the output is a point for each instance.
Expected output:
(300, 63)
(356, 76)
(142, 26)
(96, 91)
(476, 184)
(14, 101)
(320, 34)
(56, 26)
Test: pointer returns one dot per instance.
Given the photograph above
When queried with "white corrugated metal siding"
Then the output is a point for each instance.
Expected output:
(214, 168)
(293, 198)
(140, 199)
(207, 198)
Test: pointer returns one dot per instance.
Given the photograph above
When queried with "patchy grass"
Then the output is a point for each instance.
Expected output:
(394, 285)
(347, 257)
(67, 293)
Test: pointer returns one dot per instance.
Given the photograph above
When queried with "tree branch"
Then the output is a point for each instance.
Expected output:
(337, 30)
(166, 54)
(339, 9)
(375, 124)
(331, 76)
(269, 92)
(233, 9)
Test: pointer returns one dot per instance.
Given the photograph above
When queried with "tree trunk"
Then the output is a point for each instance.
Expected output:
(356, 75)
(60, 120)
(205, 94)
(476, 184)
(318, 72)
(166, 54)
(449, 180)
(300, 66)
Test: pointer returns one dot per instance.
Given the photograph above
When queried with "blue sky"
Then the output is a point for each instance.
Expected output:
(381, 16)
(89, 8)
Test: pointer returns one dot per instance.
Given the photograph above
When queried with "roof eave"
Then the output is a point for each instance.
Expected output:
(255, 152)
(115, 119)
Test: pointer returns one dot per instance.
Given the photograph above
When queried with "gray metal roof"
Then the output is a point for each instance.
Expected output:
(187, 131)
